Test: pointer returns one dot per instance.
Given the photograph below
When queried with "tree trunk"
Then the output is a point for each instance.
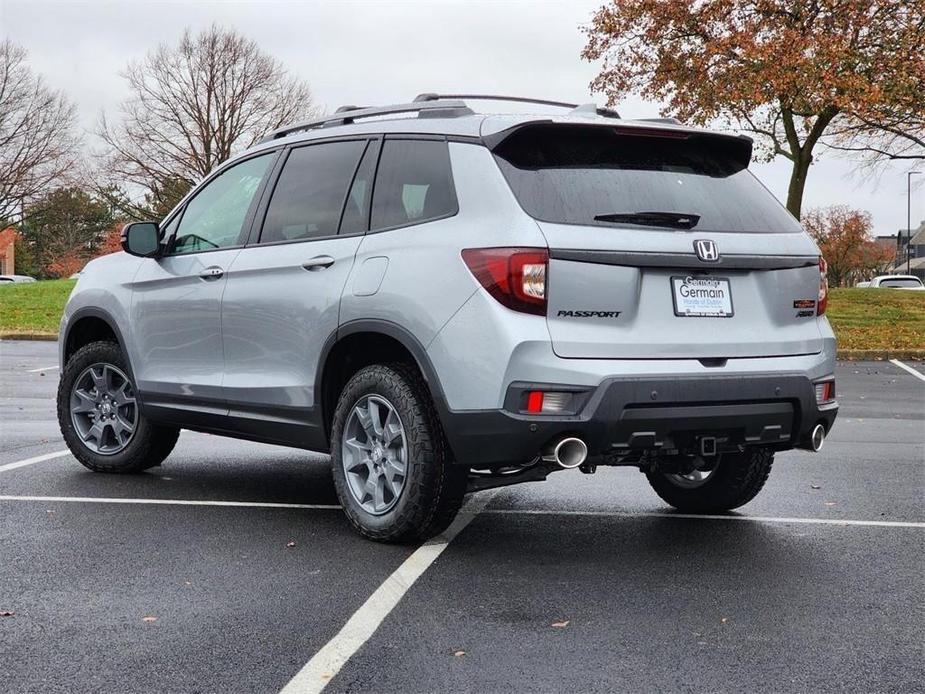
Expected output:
(798, 183)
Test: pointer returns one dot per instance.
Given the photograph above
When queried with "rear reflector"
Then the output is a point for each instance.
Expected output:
(515, 277)
(539, 402)
(535, 401)
(825, 392)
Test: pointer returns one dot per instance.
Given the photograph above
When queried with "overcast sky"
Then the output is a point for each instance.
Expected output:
(385, 52)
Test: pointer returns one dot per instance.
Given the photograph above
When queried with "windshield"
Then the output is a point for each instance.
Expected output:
(644, 179)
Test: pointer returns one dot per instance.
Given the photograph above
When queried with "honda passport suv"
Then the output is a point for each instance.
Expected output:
(449, 301)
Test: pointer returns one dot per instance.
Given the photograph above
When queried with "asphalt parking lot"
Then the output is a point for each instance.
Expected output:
(155, 583)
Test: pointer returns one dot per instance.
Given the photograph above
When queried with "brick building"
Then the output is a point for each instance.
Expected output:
(8, 251)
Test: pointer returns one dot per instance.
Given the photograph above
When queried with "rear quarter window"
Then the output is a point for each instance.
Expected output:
(413, 184)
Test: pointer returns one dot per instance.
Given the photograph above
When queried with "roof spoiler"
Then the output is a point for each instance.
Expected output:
(739, 146)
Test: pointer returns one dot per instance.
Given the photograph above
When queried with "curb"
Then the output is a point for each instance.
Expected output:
(880, 354)
(47, 337)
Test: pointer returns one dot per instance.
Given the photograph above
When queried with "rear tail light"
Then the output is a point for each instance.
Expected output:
(825, 392)
(823, 299)
(515, 277)
(545, 402)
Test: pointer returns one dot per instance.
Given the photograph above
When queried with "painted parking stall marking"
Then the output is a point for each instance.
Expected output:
(32, 461)
(909, 369)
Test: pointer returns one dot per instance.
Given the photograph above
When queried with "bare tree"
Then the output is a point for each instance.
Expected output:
(37, 141)
(192, 106)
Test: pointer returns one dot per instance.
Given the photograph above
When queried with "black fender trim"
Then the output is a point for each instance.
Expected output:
(403, 337)
(94, 312)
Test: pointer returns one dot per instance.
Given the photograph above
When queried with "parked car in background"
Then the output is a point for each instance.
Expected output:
(862, 285)
(897, 282)
(18, 279)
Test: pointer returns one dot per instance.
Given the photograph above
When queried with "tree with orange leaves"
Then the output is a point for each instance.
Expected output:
(793, 72)
(843, 236)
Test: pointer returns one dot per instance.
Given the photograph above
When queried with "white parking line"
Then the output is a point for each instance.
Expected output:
(695, 516)
(44, 368)
(32, 461)
(168, 502)
(469, 509)
(327, 662)
(905, 367)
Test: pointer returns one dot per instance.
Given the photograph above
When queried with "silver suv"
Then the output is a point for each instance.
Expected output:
(449, 301)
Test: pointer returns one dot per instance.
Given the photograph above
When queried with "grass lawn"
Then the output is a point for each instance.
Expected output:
(879, 321)
(884, 320)
(33, 308)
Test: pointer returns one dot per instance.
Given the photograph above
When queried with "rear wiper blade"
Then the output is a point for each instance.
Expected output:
(673, 220)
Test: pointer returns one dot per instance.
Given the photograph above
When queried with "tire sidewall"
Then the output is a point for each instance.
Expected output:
(95, 353)
(736, 480)
(391, 385)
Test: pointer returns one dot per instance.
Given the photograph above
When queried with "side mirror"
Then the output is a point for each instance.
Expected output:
(141, 239)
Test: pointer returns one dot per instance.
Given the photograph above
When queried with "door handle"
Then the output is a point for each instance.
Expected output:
(319, 262)
(212, 273)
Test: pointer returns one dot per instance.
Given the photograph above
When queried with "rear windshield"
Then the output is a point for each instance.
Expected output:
(572, 174)
(901, 283)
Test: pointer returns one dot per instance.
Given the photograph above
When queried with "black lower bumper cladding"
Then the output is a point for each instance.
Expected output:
(662, 415)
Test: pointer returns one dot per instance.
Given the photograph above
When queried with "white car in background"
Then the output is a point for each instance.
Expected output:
(17, 279)
(896, 282)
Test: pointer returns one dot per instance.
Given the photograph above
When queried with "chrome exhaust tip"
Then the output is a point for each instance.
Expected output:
(817, 438)
(568, 453)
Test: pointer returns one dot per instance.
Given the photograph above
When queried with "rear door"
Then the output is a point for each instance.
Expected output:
(283, 292)
(663, 245)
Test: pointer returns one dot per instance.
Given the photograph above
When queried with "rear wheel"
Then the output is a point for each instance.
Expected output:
(99, 416)
(392, 469)
(734, 480)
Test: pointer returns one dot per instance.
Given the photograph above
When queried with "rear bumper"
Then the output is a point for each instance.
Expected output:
(627, 415)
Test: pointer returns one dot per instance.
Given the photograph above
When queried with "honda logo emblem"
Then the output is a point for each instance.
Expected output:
(706, 250)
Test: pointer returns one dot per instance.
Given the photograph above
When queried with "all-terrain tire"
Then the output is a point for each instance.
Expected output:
(737, 479)
(434, 487)
(150, 444)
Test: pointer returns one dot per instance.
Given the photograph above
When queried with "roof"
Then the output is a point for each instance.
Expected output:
(451, 116)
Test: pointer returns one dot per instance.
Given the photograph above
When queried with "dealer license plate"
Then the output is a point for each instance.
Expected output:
(701, 297)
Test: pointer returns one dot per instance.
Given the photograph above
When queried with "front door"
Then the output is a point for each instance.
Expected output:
(176, 304)
(283, 292)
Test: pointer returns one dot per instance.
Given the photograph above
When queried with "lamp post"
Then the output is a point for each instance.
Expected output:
(909, 175)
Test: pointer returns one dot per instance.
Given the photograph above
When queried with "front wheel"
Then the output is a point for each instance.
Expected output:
(734, 480)
(392, 468)
(99, 416)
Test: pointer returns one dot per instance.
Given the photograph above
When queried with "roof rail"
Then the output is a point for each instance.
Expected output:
(429, 96)
(347, 114)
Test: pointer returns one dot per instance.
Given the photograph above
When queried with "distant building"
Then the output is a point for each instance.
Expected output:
(8, 251)
(917, 249)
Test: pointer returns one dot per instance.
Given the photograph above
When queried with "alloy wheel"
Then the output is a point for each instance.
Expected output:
(375, 454)
(103, 408)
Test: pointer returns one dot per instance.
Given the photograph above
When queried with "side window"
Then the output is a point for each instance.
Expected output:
(357, 205)
(413, 184)
(214, 218)
(309, 195)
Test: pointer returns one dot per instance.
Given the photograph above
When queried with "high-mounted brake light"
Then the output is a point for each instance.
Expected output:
(823, 299)
(515, 277)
